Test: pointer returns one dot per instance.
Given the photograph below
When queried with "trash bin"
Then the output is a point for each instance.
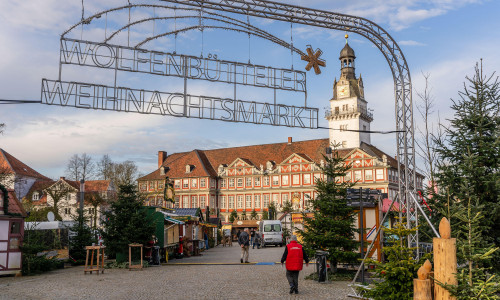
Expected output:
(321, 268)
(155, 255)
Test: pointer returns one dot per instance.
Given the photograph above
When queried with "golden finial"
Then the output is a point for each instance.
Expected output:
(346, 37)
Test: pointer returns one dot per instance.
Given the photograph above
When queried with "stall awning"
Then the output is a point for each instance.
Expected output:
(172, 220)
(208, 225)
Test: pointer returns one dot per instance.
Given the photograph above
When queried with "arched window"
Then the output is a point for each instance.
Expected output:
(36, 196)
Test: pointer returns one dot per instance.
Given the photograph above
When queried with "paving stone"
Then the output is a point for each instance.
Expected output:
(173, 280)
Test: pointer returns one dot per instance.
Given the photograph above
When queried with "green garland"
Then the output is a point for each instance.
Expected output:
(5, 199)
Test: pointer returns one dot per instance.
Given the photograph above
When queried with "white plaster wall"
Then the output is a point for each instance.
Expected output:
(8, 181)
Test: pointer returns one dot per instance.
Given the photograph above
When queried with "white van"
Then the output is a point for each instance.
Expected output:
(271, 232)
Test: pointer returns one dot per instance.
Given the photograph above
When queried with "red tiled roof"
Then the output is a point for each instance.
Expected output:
(10, 164)
(15, 207)
(97, 185)
(206, 162)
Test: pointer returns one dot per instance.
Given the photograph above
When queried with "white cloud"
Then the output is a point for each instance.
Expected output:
(410, 43)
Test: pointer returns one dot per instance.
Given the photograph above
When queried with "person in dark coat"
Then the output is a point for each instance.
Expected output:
(294, 256)
(244, 242)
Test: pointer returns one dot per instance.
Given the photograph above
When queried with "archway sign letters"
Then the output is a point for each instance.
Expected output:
(115, 52)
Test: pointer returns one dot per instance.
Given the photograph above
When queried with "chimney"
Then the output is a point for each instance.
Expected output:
(289, 140)
(162, 156)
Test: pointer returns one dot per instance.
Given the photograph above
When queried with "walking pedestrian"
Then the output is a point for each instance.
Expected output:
(244, 242)
(294, 255)
(252, 237)
(256, 240)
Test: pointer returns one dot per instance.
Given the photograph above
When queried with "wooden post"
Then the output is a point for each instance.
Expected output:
(422, 286)
(445, 260)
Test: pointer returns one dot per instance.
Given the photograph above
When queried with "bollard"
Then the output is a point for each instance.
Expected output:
(422, 285)
(445, 260)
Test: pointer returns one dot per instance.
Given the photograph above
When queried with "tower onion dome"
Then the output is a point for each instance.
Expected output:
(347, 52)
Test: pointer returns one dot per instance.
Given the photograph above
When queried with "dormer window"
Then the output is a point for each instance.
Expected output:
(36, 196)
(189, 168)
(269, 165)
(163, 170)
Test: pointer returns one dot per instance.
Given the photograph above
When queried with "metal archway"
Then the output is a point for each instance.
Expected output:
(389, 48)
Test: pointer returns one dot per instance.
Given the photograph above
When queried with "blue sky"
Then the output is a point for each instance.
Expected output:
(443, 38)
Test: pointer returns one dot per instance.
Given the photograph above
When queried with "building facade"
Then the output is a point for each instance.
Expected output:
(65, 193)
(247, 179)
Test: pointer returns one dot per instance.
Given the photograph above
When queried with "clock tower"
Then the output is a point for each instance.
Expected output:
(348, 115)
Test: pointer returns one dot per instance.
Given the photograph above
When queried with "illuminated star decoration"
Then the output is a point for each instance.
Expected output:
(314, 60)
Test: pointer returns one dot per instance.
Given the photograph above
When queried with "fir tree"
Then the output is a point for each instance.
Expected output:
(82, 237)
(332, 226)
(253, 215)
(233, 216)
(469, 159)
(126, 223)
(401, 268)
(265, 215)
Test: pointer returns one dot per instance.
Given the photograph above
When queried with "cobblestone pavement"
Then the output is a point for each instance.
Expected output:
(179, 279)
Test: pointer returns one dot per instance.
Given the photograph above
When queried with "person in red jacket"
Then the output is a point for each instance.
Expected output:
(294, 255)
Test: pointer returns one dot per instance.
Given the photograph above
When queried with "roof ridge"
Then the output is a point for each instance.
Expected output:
(258, 145)
(201, 161)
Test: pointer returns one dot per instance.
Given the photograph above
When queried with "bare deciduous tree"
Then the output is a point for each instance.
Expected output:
(57, 192)
(2, 127)
(80, 167)
(425, 142)
(124, 173)
(105, 167)
(87, 166)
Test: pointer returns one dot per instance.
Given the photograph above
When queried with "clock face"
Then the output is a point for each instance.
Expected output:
(342, 91)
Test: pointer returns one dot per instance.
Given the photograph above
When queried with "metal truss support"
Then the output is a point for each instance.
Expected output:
(383, 41)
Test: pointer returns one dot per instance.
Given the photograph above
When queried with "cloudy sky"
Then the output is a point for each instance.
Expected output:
(442, 38)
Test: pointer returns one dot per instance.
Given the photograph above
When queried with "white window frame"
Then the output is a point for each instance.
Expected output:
(36, 196)
(368, 175)
(231, 202)
(307, 178)
(239, 182)
(357, 175)
(276, 180)
(239, 201)
(266, 200)
(256, 181)
(223, 183)
(248, 181)
(203, 200)
(248, 201)
(285, 180)
(231, 182)
(203, 182)
(379, 174)
(256, 201)
(223, 200)
(194, 183)
(266, 181)
(177, 184)
(296, 179)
